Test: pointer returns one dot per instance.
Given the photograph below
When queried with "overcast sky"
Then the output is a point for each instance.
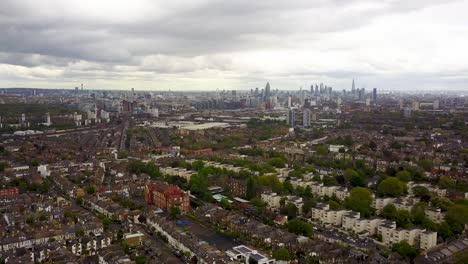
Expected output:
(239, 44)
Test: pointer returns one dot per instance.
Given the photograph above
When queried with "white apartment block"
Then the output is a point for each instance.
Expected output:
(380, 203)
(435, 214)
(220, 165)
(361, 226)
(414, 236)
(432, 188)
(181, 172)
(272, 200)
(319, 189)
(323, 214)
(352, 222)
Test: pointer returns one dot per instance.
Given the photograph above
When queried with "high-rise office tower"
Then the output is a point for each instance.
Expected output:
(306, 118)
(401, 103)
(312, 89)
(291, 118)
(289, 101)
(316, 89)
(353, 88)
(267, 91)
(374, 96)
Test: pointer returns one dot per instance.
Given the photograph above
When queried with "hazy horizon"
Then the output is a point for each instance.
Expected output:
(204, 45)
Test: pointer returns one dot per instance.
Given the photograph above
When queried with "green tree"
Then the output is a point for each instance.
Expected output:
(122, 155)
(446, 183)
(3, 165)
(404, 249)
(30, 220)
(175, 212)
(391, 186)
(291, 210)
(277, 162)
(308, 205)
(418, 213)
(334, 205)
(457, 217)
(358, 181)
(199, 184)
(299, 227)
(426, 164)
(421, 191)
(442, 202)
(225, 204)
(282, 254)
(287, 186)
(198, 165)
(444, 230)
(106, 222)
(90, 189)
(329, 180)
(350, 173)
(404, 175)
(403, 219)
(390, 212)
(42, 217)
(322, 150)
(252, 187)
(360, 200)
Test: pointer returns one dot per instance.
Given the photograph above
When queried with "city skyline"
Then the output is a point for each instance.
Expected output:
(151, 45)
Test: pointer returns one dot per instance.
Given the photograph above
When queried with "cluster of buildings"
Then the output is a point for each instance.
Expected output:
(165, 196)
(351, 221)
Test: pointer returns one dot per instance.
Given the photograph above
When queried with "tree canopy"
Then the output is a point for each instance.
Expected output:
(360, 200)
(391, 186)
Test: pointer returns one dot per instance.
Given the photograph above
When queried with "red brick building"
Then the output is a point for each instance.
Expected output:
(10, 192)
(200, 151)
(165, 196)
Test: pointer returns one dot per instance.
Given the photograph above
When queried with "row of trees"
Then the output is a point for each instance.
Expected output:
(149, 168)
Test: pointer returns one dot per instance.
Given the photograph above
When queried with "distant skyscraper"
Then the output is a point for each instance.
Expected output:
(401, 103)
(435, 105)
(312, 88)
(267, 90)
(289, 101)
(316, 89)
(374, 96)
(306, 118)
(291, 118)
(353, 88)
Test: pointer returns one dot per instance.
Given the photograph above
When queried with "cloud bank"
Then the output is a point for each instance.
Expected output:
(212, 44)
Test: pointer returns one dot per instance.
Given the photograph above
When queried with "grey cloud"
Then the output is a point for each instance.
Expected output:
(210, 27)
(172, 37)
